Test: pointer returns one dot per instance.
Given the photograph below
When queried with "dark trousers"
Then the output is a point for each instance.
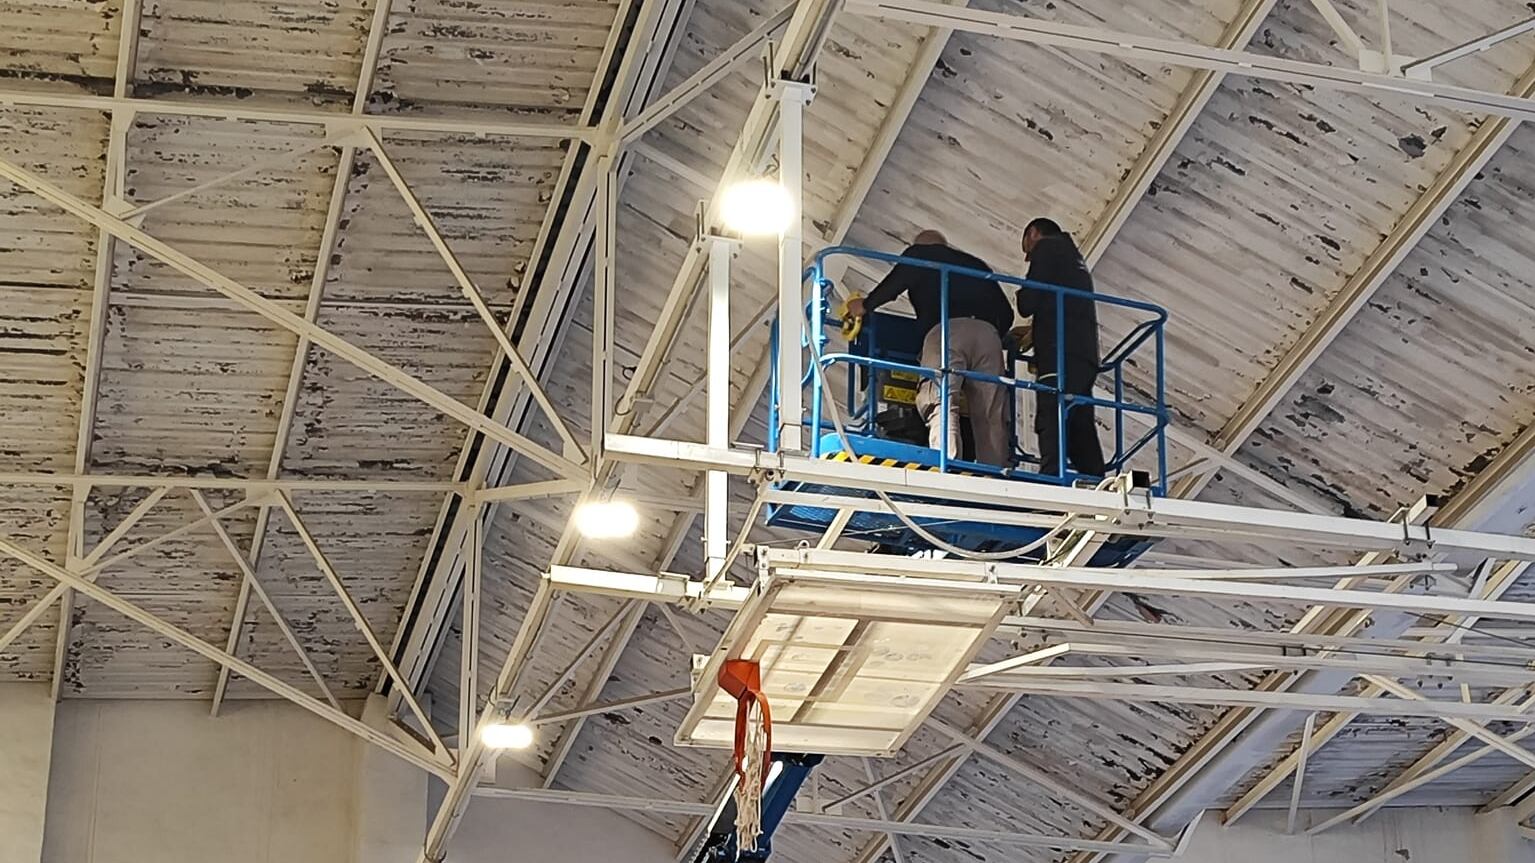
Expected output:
(1083, 451)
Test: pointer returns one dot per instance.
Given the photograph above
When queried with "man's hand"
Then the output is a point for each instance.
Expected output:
(1023, 336)
(855, 307)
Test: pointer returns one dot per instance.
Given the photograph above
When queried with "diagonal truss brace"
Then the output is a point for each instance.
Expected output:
(360, 620)
(249, 584)
(97, 593)
(1181, 53)
(91, 566)
(472, 293)
(274, 312)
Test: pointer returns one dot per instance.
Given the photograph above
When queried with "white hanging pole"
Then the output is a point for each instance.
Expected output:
(716, 500)
(1385, 38)
(791, 331)
(469, 632)
(602, 306)
(1300, 771)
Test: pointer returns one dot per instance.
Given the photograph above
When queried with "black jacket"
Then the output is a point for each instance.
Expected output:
(969, 296)
(1056, 261)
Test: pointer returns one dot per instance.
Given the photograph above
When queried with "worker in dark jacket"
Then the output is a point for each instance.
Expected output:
(978, 317)
(1054, 260)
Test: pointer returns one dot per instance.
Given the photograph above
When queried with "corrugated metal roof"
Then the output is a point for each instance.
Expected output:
(1265, 209)
(527, 58)
(273, 51)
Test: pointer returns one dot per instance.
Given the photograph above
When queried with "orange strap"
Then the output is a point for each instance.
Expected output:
(742, 679)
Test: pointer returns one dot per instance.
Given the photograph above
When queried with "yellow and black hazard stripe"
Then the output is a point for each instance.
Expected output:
(843, 456)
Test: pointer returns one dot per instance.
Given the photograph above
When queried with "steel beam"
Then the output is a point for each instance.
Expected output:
(472, 293)
(1175, 52)
(1475, 729)
(1300, 770)
(884, 813)
(816, 819)
(225, 483)
(545, 300)
(591, 708)
(1136, 513)
(1237, 652)
(1373, 273)
(359, 620)
(1170, 133)
(1048, 782)
(1505, 577)
(1425, 65)
(1453, 711)
(469, 628)
(137, 614)
(81, 561)
(275, 313)
(1447, 747)
(472, 752)
(250, 584)
(1346, 33)
(114, 172)
(707, 76)
(342, 122)
(1445, 769)
(90, 567)
(593, 690)
(378, 27)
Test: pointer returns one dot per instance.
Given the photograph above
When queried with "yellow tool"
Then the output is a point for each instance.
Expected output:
(851, 326)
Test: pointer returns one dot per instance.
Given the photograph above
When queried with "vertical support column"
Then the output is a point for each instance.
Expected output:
(469, 631)
(716, 498)
(26, 748)
(791, 254)
(602, 305)
(1386, 50)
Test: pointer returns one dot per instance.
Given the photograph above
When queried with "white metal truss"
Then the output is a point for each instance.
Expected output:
(792, 62)
(332, 120)
(249, 584)
(1170, 133)
(567, 238)
(85, 584)
(345, 160)
(222, 483)
(1338, 611)
(1444, 631)
(1178, 53)
(837, 822)
(1372, 274)
(114, 177)
(278, 315)
(1137, 513)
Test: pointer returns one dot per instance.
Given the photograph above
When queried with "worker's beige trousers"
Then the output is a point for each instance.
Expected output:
(974, 346)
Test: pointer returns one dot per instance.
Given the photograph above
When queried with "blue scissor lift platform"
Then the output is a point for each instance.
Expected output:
(881, 370)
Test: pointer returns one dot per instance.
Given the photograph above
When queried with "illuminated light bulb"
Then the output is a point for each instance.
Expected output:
(607, 519)
(756, 208)
(506, 735)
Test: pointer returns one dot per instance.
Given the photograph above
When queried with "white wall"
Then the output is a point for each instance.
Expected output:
(265, 782)
(1408, 835)
(26, 734)
(513, 831)
(136, 781)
